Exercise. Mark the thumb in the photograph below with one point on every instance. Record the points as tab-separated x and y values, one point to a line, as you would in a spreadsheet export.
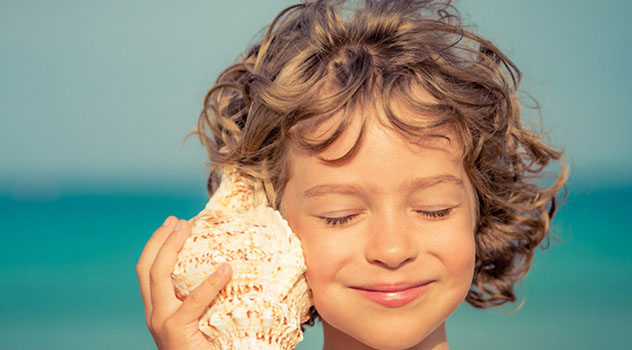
195	303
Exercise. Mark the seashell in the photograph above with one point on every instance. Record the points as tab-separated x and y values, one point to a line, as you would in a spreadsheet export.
267	299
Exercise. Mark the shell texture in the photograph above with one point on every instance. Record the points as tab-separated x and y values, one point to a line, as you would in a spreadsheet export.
267	299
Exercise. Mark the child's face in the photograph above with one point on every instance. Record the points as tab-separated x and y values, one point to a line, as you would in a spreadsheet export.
397	212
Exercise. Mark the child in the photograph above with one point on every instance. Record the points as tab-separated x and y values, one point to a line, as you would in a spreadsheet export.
390	139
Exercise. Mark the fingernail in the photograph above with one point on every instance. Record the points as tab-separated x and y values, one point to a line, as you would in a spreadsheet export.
222	269
166	221
177	226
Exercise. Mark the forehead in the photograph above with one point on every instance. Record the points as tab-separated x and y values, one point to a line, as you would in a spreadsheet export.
378	140
386	162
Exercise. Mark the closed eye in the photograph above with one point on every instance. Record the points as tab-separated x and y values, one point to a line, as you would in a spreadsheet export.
435	214
341	220
338	220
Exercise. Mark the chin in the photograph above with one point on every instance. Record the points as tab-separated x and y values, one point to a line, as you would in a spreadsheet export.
391	342
386	334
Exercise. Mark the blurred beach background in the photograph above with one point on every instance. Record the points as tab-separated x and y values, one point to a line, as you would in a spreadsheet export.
97	96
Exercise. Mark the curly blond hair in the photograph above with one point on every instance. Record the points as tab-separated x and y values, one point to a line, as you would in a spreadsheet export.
320	57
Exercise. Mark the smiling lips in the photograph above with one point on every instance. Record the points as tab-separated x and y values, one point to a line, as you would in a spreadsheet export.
393	295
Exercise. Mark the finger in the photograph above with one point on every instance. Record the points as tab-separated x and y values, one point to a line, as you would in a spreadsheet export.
147	258
196	303
163	296
156	241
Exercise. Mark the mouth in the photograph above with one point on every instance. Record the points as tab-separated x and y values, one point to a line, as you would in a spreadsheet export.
393	295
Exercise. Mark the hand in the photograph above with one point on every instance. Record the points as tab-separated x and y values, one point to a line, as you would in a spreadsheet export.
174	323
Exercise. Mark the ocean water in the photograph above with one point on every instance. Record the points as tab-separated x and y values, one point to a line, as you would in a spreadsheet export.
69	280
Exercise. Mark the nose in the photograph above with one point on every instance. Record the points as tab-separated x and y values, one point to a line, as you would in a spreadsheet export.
391	241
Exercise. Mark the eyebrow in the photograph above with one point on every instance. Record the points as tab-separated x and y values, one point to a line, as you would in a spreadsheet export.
425	182
414	185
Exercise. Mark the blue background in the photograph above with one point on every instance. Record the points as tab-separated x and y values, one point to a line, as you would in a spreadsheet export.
96	98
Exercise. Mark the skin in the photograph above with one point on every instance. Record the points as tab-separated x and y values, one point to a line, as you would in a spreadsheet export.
389	228
397	214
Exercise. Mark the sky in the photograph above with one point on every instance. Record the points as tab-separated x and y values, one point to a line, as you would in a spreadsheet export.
99	95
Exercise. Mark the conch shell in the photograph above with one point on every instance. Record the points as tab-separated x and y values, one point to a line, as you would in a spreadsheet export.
267	299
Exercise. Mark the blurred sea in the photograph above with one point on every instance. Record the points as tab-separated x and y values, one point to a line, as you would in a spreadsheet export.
69	280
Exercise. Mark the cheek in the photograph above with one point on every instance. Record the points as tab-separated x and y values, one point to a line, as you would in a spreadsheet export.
323	255
315	258
463	264
456	248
